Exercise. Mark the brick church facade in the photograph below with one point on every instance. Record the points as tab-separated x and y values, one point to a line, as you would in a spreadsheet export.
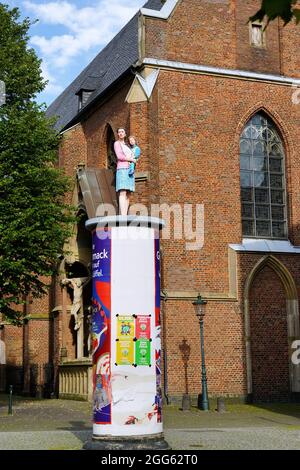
214	103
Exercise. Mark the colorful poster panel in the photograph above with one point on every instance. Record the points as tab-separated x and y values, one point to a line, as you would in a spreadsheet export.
142	327
125	327
102	400
143	352
101	330
125	352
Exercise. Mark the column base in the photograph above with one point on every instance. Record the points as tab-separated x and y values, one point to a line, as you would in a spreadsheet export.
156	442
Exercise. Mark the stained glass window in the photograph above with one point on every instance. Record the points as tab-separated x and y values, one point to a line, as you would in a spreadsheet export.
263	194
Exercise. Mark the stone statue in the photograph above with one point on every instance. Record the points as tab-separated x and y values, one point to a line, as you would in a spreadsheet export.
77	285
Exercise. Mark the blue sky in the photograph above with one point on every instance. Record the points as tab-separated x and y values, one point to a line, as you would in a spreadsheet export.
70	33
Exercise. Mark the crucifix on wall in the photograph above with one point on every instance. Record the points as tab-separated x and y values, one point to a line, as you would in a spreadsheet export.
77	285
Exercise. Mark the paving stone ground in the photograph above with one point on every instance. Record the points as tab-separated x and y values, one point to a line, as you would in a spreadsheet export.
66	425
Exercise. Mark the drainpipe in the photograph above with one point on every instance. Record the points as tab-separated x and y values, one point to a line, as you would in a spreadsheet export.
164	297
26	360
165	352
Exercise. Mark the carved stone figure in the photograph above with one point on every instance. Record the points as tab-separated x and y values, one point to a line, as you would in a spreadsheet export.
77	285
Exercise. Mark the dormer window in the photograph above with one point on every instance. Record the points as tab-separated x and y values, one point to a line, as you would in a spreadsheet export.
83	97
86	89
257	34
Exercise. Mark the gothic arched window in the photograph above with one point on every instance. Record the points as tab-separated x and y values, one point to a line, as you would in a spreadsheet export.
263	194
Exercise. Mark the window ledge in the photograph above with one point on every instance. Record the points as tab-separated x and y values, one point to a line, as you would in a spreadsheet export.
141	176
260	244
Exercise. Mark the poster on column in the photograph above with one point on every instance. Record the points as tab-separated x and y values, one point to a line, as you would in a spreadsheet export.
157	339
143	352
101	330
124	340
125	352
125	327
142	327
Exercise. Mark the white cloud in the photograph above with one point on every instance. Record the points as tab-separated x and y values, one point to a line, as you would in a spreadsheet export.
53	88
86	27
85	30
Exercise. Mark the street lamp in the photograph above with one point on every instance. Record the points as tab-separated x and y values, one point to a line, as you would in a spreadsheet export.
199	305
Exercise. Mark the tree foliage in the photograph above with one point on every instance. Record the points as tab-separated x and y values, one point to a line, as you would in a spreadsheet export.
34	220
287	10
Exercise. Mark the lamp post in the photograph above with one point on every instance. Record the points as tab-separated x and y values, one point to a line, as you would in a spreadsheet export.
199	305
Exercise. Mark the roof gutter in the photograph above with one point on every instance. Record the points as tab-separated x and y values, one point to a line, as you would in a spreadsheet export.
221	72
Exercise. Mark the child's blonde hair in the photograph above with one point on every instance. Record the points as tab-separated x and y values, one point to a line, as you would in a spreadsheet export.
132	137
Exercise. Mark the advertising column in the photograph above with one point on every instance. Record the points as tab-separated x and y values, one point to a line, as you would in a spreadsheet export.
127	400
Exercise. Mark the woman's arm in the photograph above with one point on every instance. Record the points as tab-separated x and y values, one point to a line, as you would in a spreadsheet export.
120	154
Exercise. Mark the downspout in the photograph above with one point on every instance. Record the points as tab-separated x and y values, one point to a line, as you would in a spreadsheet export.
26	359
164	297
165	354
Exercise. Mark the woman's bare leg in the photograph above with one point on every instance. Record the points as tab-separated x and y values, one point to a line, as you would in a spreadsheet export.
127	200
123	208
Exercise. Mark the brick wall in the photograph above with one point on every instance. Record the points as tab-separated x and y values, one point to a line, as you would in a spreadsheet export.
195	129
216	33
190	34
290	38
269	342
28	355
39	341
73	149
224	349
13	338
200	121
258	59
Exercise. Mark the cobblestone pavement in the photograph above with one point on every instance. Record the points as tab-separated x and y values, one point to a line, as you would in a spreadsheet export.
66	425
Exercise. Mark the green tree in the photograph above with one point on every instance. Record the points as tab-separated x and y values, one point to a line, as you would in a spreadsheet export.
287	10
34	219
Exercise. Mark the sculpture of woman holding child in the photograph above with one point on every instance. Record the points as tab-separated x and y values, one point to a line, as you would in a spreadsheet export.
127	158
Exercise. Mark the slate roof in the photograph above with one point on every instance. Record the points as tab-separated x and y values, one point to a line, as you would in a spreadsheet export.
109	65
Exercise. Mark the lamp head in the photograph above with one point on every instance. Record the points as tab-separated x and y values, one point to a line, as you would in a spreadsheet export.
199	305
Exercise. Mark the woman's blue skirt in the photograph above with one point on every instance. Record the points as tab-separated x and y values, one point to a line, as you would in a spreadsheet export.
124	181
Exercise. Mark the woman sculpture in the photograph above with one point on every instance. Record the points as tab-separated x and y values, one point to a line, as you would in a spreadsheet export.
124	183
